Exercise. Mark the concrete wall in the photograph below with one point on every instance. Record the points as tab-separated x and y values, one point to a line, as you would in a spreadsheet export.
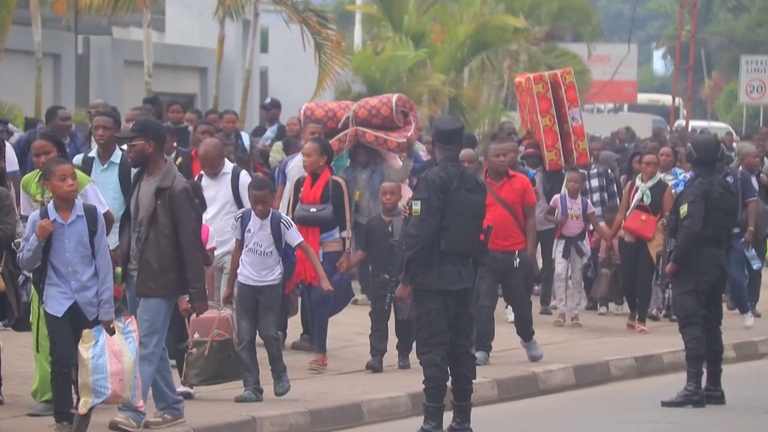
117	75
17	70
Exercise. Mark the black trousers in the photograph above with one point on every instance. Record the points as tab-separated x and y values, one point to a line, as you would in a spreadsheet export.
177	340
697	298
546	240
756	276
64	335
380	314
637	271
363	268
443	321
500	269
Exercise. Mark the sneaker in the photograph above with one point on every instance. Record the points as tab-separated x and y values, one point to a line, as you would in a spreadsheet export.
282	385
304	343
545	310
510	315
42	409
603	310
591	305
162	420
618	310
482	358
756	313
63	427
187	393
123	423
749	320
361	300
532	350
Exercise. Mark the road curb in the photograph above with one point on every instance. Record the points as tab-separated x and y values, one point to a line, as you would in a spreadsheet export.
537	381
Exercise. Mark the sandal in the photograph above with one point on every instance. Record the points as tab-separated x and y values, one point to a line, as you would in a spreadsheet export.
560	320
318	365
575	322
631	325
642	329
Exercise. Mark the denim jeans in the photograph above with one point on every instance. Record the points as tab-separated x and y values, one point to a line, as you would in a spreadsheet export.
737	277
257	310
130	294
322	306
154	316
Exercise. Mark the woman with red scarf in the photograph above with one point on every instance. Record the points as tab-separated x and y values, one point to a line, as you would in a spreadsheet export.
319	205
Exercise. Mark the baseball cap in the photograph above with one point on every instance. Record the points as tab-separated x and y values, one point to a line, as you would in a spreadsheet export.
531	149
147	128
271	103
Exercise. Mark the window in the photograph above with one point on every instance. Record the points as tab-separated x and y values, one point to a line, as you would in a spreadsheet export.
264	49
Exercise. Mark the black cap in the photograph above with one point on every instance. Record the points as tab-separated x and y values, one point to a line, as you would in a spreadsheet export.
271	103
705	150
448	131
147	128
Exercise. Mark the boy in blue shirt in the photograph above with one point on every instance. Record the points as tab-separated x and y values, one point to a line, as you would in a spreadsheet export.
73	277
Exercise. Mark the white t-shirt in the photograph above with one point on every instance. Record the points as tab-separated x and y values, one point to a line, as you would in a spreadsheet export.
221	205
293	170
260	263
11	161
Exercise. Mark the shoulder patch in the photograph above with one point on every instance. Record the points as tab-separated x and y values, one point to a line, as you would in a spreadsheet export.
416	207
683	211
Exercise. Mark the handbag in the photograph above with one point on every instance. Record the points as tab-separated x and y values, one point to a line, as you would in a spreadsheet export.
315	214
212	360
640	222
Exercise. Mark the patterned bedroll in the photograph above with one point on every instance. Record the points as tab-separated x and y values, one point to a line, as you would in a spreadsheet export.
383	122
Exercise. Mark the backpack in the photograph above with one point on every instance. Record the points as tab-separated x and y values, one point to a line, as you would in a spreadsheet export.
286	252
123	172
234	181
39	274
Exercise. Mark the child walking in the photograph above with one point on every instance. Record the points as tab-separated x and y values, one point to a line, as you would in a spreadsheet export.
571	251
258	270
73	277
610	261
377	244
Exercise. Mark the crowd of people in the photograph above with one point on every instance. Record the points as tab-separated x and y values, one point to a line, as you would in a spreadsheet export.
181	208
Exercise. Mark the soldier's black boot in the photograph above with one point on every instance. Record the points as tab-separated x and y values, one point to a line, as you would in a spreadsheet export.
433	418
713	390
691	395
462	417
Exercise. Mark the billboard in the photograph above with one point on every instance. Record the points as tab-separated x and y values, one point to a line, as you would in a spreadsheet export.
614	71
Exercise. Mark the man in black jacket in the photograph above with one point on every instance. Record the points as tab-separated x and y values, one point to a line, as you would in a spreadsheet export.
162	253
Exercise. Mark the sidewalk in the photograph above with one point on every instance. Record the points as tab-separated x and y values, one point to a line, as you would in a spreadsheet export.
348	396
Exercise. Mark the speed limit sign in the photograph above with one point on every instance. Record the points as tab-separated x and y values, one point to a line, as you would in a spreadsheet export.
753	77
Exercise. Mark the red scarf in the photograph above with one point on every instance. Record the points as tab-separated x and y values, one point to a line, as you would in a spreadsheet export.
310	194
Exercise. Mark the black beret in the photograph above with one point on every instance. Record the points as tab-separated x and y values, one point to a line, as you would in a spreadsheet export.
448	131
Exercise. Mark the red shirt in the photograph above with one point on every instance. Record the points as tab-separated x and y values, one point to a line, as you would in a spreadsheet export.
516	190
195	163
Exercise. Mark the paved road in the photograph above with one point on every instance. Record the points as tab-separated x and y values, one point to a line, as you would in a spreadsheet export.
629	406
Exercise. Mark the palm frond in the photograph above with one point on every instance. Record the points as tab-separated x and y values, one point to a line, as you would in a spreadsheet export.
317	26
234	10
7	10
116	9
12	112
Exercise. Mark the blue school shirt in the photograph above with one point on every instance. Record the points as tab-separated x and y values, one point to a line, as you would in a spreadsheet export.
73	273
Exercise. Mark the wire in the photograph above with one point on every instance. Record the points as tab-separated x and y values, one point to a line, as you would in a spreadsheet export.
629	50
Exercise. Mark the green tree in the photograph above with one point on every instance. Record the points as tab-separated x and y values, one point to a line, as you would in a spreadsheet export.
225	9
7	10
730	111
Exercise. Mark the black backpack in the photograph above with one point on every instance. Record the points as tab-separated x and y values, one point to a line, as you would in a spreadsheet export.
39	274
234	181
123	172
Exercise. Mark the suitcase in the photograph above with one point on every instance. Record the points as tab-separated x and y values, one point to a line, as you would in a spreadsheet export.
212	356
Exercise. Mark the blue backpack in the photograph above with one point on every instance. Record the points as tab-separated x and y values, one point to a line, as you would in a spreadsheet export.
286	252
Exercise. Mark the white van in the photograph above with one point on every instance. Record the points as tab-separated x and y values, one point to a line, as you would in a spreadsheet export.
716	127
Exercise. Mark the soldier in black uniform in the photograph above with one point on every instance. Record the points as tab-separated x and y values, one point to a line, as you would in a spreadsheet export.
441	237
699	225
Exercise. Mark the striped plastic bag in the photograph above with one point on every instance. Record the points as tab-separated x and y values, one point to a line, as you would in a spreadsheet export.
109	366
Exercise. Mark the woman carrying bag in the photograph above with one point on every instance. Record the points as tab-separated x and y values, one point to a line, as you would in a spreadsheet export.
645	204
319	205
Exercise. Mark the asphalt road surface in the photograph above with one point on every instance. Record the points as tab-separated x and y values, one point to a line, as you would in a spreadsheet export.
628	406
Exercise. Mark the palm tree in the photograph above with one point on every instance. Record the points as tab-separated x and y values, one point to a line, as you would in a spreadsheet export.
118	9
317	28
37	37
7	9
225	9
